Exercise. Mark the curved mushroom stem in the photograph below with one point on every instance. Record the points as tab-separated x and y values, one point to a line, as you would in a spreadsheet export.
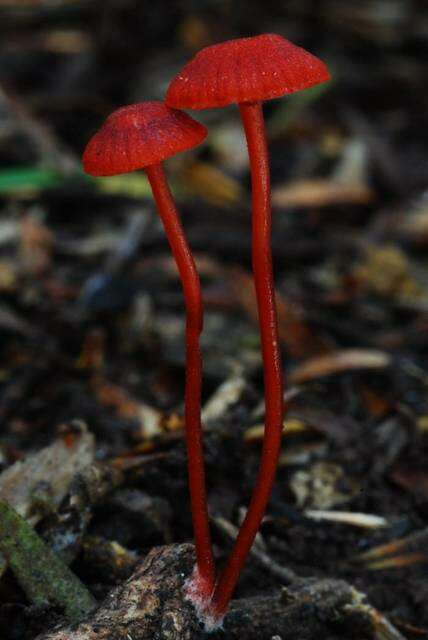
204	578
252	118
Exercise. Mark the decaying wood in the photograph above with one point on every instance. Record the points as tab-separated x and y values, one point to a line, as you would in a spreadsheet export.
150	604
308	611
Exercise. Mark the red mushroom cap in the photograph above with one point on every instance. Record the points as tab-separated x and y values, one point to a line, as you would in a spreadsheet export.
140	135
244	70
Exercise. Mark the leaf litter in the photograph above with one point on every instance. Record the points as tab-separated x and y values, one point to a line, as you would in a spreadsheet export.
92	315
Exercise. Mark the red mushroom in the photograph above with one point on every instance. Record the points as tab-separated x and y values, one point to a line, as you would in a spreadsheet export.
141	136
248	71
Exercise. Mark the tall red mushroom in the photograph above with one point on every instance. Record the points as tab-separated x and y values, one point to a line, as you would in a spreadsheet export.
246	72
141	136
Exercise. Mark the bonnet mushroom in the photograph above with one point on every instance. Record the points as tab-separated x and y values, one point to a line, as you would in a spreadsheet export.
141	136
246	72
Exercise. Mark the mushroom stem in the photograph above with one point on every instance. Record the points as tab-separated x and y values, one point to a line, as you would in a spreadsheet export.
205	576
252	118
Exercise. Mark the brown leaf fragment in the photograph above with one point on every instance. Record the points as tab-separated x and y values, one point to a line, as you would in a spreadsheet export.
320	193
397	562
376	404
127	461
150	420
396	553
36	245
212	185
339	362
290	427
65	41
411	630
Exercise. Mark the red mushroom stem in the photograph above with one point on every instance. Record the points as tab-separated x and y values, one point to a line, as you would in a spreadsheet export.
252	118
204	581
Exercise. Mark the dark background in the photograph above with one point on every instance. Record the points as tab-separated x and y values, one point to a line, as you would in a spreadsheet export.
91	311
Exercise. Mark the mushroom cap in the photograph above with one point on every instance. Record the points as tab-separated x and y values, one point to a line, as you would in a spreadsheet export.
244	70
140	135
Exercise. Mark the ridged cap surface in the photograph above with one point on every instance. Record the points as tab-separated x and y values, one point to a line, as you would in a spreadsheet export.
139	135
244	70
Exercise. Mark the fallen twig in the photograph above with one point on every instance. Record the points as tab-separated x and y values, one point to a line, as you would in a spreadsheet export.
42	575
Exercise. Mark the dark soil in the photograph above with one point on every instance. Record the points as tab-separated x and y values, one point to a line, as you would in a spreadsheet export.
91	311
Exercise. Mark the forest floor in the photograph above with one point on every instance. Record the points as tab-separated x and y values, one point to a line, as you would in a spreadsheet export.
91	312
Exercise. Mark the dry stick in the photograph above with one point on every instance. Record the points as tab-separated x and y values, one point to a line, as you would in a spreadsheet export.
42	575
285	575
252	117
194	321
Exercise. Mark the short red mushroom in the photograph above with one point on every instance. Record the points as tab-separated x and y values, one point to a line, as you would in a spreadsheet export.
141	136
246	72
